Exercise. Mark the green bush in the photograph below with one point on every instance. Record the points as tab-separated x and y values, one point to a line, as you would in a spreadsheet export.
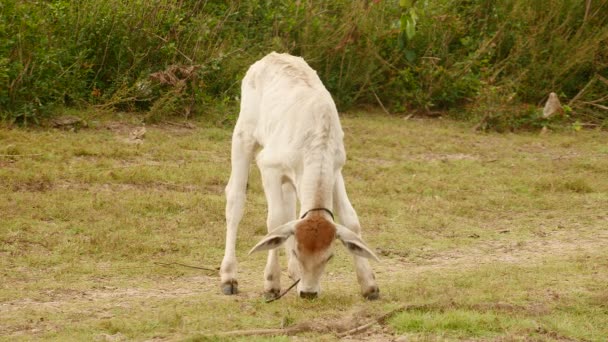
529	49
103	53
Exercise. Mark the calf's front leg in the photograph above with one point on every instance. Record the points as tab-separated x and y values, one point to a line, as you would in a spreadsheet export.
349	219
280	212
242	153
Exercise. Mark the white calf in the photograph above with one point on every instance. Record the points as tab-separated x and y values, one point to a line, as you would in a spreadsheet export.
289	116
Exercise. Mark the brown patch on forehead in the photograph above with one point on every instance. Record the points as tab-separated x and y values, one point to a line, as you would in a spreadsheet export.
314	234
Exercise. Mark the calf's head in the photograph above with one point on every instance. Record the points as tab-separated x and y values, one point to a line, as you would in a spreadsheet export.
313	238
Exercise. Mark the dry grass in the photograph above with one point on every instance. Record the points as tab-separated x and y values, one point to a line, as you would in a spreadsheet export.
494	236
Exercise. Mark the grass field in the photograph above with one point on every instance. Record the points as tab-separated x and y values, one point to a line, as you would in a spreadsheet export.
485	236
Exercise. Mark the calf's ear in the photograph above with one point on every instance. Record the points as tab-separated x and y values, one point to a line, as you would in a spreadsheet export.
276	237
353	243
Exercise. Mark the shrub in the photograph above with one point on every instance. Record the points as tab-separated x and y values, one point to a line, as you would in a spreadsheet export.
102	53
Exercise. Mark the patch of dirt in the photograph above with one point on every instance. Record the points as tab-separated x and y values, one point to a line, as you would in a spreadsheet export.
117	127
111	337
377	333
123	128
108	296
559	243
36	184
6	162
428	157
210	188
378	161
443	157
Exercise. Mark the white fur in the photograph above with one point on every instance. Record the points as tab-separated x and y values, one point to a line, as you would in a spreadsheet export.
289	118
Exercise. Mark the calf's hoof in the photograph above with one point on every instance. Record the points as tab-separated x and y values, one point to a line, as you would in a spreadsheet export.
373	293
271	294
230	287
308	295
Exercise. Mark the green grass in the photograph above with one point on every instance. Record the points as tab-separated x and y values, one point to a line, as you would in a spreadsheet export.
491	236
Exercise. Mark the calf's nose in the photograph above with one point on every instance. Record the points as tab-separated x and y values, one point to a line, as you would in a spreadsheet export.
308	295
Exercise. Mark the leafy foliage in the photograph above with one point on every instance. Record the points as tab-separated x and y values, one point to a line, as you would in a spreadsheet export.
407	55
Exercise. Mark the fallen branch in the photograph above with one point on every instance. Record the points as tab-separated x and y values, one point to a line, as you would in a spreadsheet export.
187	125
602	78
184	265
582	91
380	103
381	320
596	102
296	329
319	328
596	105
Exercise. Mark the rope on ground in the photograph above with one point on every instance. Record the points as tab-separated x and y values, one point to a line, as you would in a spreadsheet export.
284	292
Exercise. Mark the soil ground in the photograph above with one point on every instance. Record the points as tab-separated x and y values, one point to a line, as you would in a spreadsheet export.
481	236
